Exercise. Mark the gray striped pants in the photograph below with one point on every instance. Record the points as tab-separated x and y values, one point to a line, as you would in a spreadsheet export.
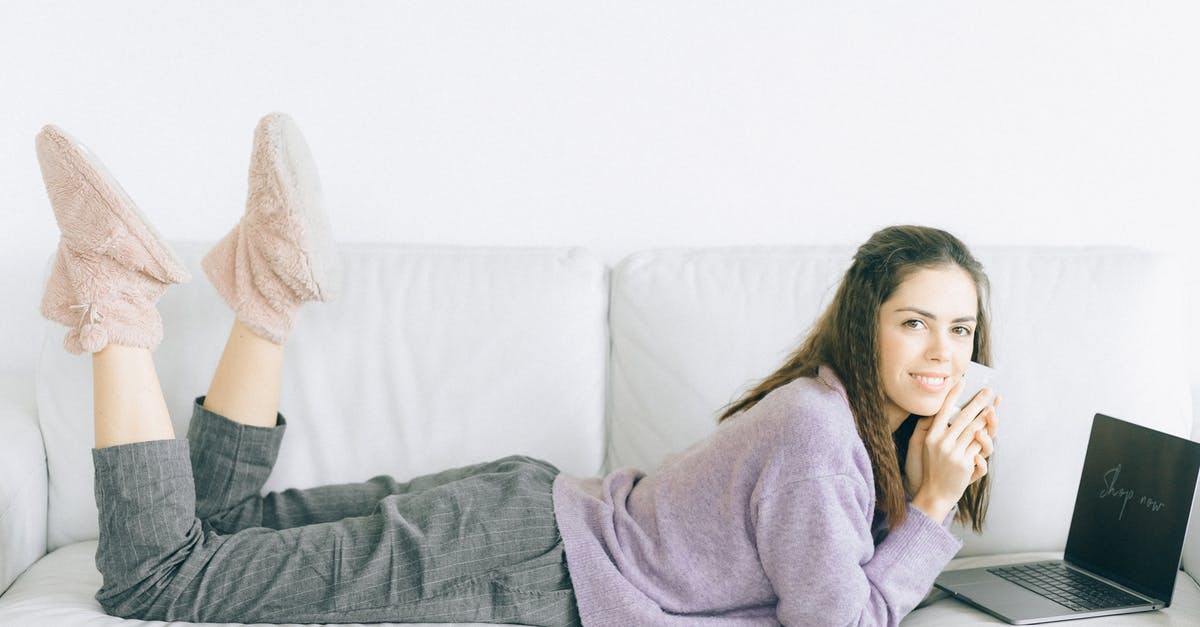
185	534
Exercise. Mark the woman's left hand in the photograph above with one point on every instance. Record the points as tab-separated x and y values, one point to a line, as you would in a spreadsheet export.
914	464
984	438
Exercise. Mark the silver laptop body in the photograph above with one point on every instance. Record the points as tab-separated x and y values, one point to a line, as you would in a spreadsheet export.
1127	531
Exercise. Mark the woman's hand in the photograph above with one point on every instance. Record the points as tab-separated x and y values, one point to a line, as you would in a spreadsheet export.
984	437
948	451
915	460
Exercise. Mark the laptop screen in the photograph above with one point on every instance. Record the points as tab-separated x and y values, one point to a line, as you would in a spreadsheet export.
1131	512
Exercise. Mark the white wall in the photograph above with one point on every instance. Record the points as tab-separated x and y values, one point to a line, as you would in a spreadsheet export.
617	125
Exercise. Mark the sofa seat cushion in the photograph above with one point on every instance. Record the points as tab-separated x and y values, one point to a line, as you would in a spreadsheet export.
942	610
59	589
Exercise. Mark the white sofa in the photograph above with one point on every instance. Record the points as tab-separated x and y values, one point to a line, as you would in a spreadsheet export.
441	356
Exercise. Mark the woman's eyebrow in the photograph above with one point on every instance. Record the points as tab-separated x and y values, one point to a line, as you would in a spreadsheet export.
933	317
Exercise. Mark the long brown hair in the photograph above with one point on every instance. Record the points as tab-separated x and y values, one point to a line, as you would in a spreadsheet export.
845	337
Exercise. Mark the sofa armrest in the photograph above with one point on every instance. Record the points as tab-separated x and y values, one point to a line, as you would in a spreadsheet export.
23	479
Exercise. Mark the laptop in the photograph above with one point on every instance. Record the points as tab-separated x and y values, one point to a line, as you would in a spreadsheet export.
1125	541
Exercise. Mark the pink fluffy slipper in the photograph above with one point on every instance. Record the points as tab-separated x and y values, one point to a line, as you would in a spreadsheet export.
111	266
281	254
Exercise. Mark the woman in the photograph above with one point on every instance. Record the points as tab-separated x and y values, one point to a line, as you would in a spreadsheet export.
798	510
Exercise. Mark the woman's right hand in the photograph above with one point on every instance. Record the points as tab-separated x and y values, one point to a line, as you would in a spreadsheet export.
952	451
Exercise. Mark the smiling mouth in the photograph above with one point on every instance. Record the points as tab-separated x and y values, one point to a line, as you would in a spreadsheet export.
930	381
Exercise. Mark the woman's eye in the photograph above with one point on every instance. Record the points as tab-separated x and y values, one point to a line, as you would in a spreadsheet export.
914	324
963	331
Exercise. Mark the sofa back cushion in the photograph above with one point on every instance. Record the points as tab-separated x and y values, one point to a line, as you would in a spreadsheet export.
431	357
1075	332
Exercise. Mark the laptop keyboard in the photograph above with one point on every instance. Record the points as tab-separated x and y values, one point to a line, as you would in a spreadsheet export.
1062	585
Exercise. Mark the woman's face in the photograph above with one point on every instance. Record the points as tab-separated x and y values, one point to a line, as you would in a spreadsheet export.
926	336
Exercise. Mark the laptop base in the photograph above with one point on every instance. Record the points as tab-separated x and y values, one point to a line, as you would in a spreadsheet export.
1014	604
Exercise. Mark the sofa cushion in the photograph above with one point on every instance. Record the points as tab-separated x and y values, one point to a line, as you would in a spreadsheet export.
1076	332
432	357
60	590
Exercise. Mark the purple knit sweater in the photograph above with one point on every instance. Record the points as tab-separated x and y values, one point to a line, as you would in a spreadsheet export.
771	520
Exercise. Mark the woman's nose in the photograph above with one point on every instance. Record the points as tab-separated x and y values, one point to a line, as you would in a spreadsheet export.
939	348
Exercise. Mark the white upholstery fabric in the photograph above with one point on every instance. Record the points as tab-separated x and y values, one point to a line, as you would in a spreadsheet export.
22	480
430	358
58	591
1076	331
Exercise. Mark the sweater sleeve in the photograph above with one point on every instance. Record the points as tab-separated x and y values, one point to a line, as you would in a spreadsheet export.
814	541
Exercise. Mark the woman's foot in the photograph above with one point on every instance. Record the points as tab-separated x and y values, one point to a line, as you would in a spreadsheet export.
111	266
281	254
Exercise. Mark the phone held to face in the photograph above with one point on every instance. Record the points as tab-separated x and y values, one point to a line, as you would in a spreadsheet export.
977	377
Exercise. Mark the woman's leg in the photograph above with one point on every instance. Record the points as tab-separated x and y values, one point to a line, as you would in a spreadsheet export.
245	386
231	462
234	439
475	544
484	548
279	256
128	402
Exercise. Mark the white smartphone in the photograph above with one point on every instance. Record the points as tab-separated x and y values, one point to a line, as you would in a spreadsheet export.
977	377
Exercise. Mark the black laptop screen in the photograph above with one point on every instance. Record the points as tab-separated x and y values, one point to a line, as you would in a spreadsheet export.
1132	509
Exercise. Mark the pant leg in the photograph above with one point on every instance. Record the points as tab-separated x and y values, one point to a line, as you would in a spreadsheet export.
231	462
482	548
